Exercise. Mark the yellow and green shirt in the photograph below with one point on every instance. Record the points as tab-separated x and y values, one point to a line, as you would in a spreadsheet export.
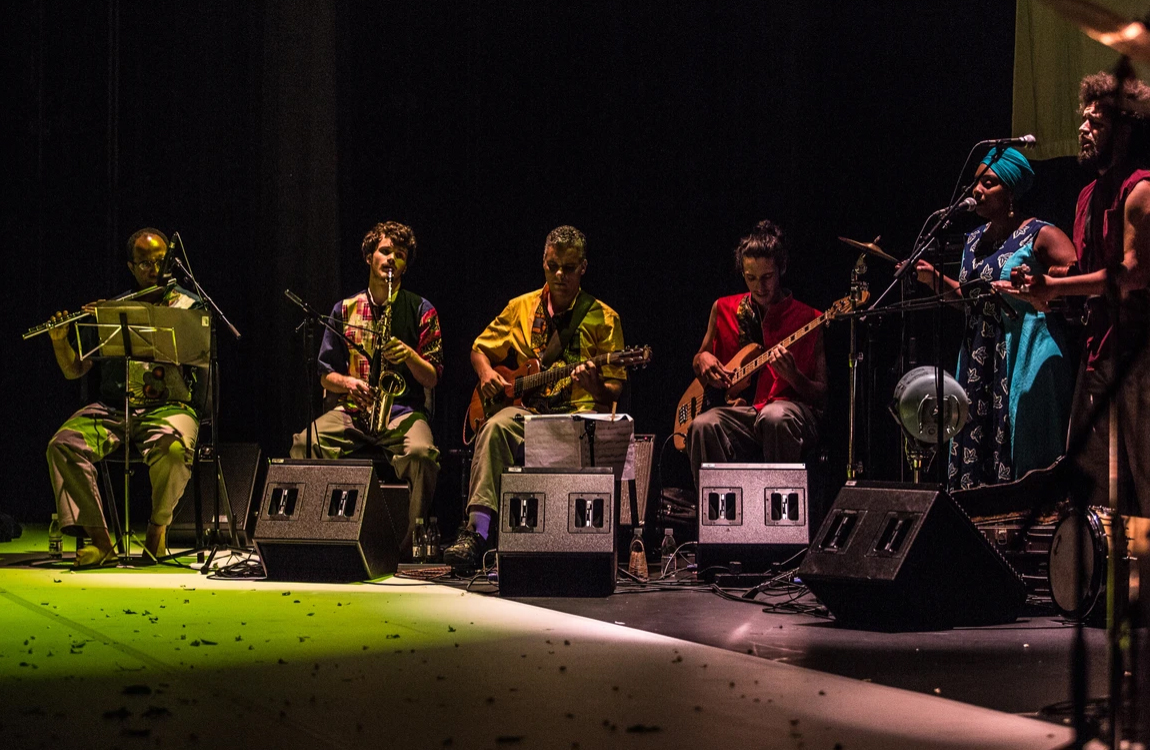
522	331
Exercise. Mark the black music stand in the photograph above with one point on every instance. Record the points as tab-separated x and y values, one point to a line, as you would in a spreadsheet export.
141	332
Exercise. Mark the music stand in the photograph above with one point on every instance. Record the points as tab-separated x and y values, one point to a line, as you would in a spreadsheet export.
142	332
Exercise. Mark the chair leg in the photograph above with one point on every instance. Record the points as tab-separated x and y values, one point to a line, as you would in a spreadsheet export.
110	506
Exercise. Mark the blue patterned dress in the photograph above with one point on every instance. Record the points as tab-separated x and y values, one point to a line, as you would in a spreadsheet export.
1015	371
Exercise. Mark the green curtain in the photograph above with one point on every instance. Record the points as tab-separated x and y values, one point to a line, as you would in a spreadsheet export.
1050	57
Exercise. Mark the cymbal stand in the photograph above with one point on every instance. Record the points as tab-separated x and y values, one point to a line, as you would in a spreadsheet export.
858	287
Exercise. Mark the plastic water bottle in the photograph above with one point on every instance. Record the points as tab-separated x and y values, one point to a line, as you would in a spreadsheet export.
667	552
418	541
431	542
637	565
55	538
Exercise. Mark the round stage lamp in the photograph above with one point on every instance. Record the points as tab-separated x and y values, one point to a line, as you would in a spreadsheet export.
914	405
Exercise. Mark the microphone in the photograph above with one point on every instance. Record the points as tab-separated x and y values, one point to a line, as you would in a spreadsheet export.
1022	141
963	206
165	274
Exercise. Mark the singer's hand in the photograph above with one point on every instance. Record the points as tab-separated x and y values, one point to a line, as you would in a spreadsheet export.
923	271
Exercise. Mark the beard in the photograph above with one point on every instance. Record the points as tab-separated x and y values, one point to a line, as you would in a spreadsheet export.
1097	154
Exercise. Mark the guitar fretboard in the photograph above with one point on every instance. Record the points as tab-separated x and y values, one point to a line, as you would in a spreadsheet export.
750	367
525	383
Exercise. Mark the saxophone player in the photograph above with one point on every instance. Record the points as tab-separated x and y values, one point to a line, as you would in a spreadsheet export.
410	357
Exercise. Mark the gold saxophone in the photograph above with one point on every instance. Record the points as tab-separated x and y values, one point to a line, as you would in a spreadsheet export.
386	383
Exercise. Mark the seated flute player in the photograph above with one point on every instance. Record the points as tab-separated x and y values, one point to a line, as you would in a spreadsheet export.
164	420
411	351
558	325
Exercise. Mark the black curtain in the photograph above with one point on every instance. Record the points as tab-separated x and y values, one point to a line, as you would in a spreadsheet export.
273	134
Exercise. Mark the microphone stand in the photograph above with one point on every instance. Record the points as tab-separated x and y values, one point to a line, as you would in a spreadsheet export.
211	540
311	317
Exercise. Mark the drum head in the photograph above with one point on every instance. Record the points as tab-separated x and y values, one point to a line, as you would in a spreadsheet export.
1076	602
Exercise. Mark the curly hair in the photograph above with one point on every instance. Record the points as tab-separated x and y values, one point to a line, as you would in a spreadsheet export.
1101	88
140	233
400	235
766	240
564	237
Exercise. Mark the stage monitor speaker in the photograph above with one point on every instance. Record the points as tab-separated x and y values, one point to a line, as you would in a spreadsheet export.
241	470
557	532
906	557
754	514
329	521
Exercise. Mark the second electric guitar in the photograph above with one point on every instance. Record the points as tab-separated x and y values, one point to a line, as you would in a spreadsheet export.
749	360
530	377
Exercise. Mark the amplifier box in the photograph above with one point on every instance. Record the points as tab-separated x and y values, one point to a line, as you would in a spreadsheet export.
906	557
557	532
755	514
329	521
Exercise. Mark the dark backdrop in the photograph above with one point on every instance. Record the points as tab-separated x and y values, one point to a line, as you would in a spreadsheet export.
273	134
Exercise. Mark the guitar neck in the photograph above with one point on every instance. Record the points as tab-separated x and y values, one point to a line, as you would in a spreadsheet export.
555	374
755	364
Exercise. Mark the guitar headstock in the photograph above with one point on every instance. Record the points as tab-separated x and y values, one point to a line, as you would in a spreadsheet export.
635	356
846	304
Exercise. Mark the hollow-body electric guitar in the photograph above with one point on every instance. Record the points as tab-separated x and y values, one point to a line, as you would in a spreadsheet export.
749	360
530	377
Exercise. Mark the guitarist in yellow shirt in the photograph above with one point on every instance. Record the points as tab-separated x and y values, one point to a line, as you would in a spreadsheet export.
563	328
776	417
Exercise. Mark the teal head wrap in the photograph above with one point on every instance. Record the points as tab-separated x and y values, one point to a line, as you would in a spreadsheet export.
1012	168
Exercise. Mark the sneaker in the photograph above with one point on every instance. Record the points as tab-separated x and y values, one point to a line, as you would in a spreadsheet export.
466	552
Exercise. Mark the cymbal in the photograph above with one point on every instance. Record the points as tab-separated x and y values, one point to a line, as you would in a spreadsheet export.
870	247
1124	35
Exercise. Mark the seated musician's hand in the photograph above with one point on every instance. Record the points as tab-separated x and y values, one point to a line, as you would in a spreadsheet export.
492	384
783	363
360	392
711	371
588	376
60	333
396	352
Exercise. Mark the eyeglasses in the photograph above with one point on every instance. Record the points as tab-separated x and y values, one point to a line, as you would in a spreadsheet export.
144	265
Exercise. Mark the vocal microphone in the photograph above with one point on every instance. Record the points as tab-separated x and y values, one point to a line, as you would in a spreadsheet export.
963	206
1022	141
166	267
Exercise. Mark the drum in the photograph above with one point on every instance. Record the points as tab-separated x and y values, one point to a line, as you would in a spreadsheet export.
1088	599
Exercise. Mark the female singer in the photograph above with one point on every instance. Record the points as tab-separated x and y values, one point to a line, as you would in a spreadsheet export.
1013	359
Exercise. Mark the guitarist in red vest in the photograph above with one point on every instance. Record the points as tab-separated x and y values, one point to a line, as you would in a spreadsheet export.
558	325
781	417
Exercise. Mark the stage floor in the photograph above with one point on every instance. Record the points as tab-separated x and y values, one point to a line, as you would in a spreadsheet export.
166	658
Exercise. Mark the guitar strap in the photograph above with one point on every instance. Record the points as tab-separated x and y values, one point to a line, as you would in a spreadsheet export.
562	336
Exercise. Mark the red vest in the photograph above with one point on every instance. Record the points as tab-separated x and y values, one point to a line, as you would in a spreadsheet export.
1105	248
737	325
